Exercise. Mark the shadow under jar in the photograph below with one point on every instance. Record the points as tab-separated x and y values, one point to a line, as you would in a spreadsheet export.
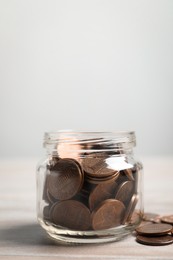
89	186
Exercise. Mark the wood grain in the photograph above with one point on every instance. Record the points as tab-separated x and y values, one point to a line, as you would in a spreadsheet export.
22	238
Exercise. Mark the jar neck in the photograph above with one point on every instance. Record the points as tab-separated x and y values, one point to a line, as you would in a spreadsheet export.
81	143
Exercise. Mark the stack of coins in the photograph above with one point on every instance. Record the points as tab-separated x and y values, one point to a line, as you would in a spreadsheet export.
155	230
89	195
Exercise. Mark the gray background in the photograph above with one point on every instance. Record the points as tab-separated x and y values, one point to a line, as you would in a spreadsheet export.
85	65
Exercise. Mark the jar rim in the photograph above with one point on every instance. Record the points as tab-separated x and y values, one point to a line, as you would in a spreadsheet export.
70	136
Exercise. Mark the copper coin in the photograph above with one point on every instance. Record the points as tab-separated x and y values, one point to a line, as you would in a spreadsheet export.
125	191
52	161
100	193
75	161
108	214
44	195
97	166
154	229
89	164
155	241
130	209
51	199
157	220
65	179
105	171
150	216
46	212
136	217
167	219
71	214
129	174
98	180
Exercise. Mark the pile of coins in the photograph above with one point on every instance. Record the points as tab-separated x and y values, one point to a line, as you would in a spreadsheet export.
88	195
155	230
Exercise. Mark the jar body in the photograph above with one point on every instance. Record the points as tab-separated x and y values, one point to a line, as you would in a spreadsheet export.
87	193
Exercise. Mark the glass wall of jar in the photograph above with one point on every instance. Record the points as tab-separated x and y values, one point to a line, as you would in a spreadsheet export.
89	186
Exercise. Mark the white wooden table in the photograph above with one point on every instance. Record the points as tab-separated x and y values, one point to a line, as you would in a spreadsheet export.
22	238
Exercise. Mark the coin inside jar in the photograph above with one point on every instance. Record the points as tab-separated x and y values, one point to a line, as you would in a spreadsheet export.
96	166
130	209
101	192
151	217
46	212
128	173
98	180
71	214
65	179
125	191
108	214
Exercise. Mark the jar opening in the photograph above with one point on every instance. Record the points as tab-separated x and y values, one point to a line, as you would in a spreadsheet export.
90	142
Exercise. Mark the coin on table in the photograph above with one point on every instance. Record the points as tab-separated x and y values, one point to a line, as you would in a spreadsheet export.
108	214
167	219
130	209
152	217
101	192
154	229
125	191
71	214
65	179
155	241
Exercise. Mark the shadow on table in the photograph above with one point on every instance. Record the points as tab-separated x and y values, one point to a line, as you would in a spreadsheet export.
31	234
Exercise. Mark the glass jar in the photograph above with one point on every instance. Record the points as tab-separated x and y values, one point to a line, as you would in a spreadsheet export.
89	186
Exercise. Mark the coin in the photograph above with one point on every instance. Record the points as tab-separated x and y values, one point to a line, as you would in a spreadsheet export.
89	164
105	171
155	241
125	191
68	146
108	214
154	229
150	216
101	192
46	212
96	166
71	214
128	173
50	198
44	195
75	161
98	180
52	161
136	217
167	219
130	209
65	179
